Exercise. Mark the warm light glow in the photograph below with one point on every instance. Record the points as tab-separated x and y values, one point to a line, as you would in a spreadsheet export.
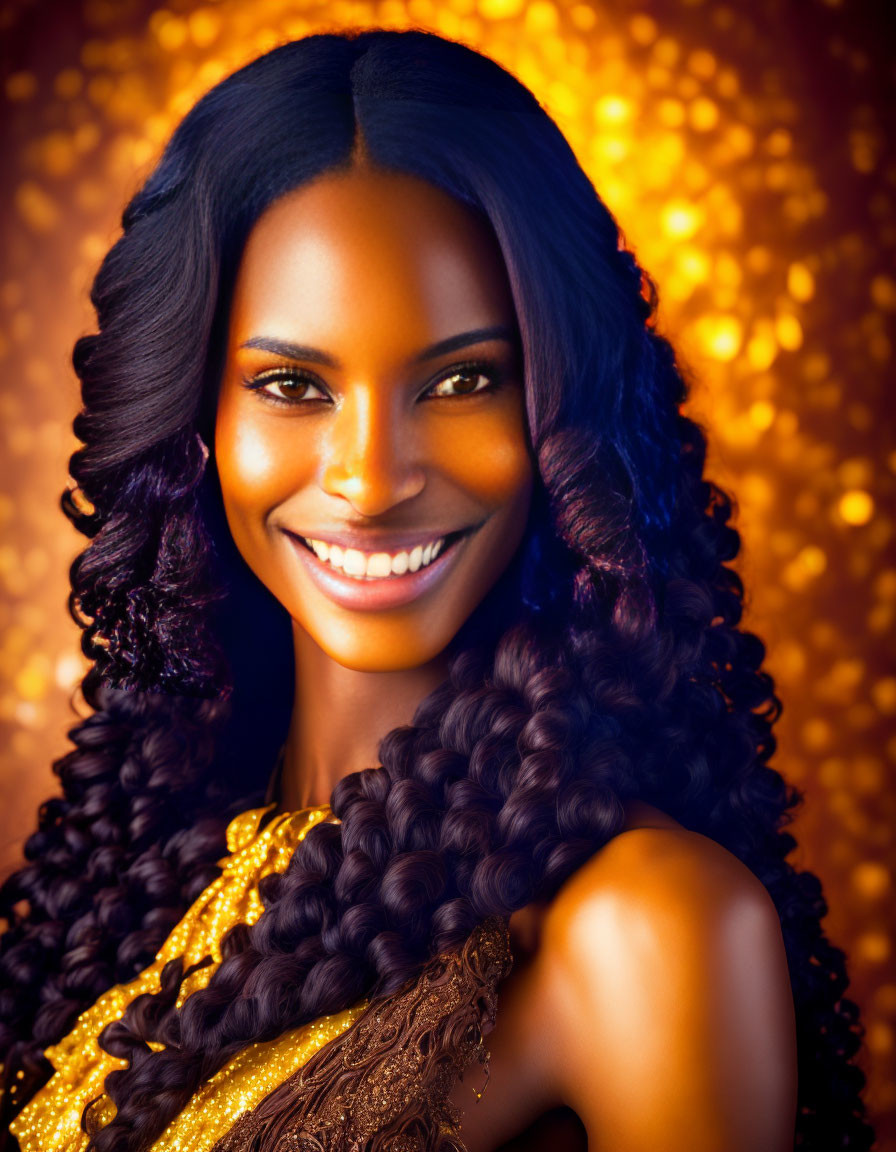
720	336
800	282
856	507
762	414
874	947
680	220
789	332
762	347
613	110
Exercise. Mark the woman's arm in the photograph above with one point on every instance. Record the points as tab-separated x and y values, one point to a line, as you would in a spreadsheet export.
669	984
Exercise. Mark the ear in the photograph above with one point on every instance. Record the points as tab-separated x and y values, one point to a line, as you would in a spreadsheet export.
203	446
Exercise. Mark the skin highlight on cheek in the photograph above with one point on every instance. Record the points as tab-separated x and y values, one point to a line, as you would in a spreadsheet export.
246	469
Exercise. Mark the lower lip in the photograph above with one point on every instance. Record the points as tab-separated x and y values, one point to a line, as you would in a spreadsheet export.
371	595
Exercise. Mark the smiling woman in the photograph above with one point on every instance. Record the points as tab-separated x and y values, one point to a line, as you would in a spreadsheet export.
377	382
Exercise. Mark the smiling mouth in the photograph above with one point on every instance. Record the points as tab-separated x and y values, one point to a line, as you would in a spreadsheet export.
373	566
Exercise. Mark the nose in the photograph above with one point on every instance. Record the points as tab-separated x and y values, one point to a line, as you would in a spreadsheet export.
370	455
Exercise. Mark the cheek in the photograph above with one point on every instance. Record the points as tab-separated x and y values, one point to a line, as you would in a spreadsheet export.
257	464
489	458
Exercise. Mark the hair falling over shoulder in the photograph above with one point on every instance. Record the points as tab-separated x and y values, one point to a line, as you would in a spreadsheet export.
609	664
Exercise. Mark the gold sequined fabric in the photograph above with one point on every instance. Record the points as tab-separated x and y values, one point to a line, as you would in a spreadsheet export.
385	1082
51	1122
406	1048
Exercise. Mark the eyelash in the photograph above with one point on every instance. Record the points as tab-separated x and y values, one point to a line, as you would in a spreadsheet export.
276	375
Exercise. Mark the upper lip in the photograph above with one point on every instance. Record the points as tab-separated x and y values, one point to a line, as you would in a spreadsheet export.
371	540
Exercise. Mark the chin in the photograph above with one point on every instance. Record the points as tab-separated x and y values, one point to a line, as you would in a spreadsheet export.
387	650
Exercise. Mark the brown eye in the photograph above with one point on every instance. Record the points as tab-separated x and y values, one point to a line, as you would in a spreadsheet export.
463	382
290	389
285	386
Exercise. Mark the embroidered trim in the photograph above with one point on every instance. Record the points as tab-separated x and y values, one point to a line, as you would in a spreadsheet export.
385	1082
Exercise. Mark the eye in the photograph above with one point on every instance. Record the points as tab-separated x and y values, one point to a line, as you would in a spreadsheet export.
466	380
291	386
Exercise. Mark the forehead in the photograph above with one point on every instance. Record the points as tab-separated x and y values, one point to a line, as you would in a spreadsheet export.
371	249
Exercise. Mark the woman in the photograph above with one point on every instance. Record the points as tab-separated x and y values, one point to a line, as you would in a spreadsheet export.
374	374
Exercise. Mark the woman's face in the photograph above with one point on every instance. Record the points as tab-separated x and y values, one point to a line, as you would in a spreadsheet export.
370	437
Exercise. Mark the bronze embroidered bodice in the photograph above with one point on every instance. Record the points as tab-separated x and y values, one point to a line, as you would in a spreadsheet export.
384	1084
375	1076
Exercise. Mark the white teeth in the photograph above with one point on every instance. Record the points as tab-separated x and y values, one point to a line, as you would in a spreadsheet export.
400	563
379	564
376	565
354	562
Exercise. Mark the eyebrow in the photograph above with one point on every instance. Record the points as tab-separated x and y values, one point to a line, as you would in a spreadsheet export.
292	351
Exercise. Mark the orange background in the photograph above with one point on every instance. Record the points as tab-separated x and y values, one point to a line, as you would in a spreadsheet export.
744	149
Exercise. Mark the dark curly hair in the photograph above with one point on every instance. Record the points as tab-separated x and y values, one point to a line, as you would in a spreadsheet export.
607	664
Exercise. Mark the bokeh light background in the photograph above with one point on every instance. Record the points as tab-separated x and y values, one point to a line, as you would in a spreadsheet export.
746	151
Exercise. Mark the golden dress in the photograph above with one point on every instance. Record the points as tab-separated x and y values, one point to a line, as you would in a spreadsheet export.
375	1076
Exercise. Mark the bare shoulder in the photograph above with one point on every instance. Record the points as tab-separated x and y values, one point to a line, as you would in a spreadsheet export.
661	873
664	963
659	898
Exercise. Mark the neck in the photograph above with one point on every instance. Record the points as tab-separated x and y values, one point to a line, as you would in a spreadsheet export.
339	716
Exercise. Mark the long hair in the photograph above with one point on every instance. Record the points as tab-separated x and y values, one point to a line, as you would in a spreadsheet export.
609	663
